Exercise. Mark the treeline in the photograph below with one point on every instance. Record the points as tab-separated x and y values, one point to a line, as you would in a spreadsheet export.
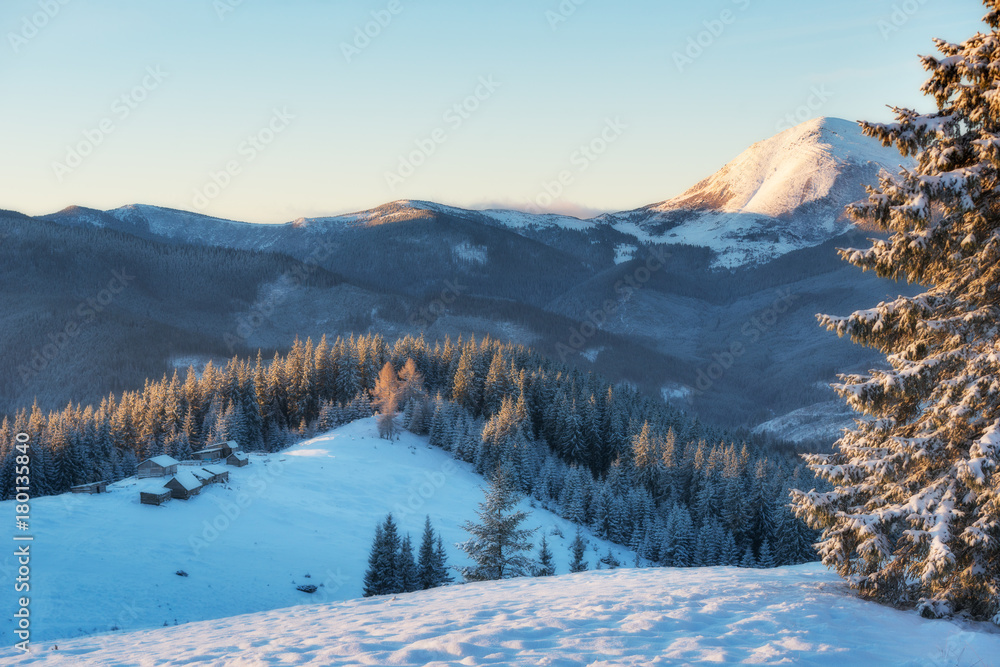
635	470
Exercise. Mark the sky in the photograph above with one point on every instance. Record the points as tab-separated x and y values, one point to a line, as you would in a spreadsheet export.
270	111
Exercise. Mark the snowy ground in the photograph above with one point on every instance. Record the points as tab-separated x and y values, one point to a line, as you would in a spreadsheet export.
304	516
796	615
104	583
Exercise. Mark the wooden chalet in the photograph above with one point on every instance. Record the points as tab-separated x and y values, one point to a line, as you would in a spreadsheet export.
238	459
216	473
183	485
213	453
220	450
159	466
202	475
229	447
93	487
156	495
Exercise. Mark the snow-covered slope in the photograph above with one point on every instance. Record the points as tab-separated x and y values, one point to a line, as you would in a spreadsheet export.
304	516
824	421
781	194
799	615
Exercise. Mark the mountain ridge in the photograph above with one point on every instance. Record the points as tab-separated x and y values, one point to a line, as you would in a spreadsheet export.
423	268
781	194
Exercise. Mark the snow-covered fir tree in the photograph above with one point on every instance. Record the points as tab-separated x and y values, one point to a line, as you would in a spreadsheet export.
578	549
914	515
409	575
546	567
432	568
499	546
383	575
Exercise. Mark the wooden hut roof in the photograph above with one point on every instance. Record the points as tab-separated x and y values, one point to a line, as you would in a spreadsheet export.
187	480
164	461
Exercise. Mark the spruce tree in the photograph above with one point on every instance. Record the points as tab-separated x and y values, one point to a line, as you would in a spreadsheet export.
914	516
409	575
498	544
384	575
442	576
426	560
765	559
579	549
610	560
374	581
545	568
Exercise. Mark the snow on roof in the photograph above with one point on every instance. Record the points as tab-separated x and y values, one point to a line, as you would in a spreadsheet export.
201	473
240	455
232	444
187	480
215	470
213	448
158	489
164	461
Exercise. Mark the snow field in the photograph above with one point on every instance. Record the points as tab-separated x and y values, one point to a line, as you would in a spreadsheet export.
798	615
105	562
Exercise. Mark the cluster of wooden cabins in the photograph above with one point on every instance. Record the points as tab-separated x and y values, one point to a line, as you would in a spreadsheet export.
202	469
189	477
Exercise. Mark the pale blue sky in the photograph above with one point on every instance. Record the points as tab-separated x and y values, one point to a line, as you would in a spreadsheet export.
227	71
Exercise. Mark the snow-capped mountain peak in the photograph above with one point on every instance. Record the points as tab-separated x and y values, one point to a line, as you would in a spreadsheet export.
776	176
781	194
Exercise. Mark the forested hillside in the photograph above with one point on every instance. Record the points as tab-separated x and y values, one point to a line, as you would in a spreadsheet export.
636	471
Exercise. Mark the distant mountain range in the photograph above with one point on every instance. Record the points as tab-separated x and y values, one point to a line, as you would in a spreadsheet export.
707	298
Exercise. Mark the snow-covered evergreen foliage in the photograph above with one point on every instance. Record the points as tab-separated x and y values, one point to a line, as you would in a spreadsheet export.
499	545
391	565
914	515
